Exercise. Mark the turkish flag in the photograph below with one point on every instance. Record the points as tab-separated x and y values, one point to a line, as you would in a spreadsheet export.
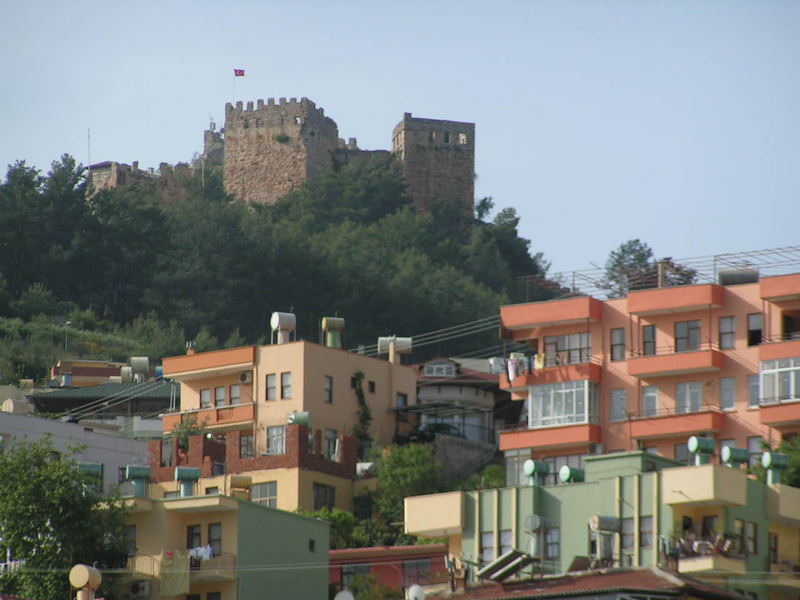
238	72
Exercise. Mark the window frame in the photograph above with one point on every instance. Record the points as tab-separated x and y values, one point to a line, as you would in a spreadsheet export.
194	533
286	385
271	387
617	338
648	340
219	396
688	340
276	440
215	537
727	393
755	335
269	497
727	337
205	398
552	543
327	389
650	393
323	495
688	397
235	392
247	447
618	405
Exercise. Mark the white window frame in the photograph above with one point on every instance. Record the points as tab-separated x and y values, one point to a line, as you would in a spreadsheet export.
650	398
727	393
688	397
276	439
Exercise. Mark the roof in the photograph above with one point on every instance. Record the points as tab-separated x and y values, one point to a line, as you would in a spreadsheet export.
150	390
381	552
590	583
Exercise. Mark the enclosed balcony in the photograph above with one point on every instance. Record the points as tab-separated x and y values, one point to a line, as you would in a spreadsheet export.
210	364
434	515
704	419
521	321
666	362
222	417
782	288
668	300
704	485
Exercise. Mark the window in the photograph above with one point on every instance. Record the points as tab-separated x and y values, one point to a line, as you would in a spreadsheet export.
350	572
130	539
781	380
276	440
688	396
556	462
738	532
649	340
687	336
327	389
286	385
773	548
205	398
212	491
618	344
552	543
727	393
213	596
515	459
708	526
246	447
401	400
755	447
727	332
120	473
626	534
645	532
324	496
215	537
431	136
417	571
265	493
567	349
462	138
353	382
506	541
235	398
682	453
271	387
754	324
371	387
619	403
752	391
751	537
650	401
446	137
330	451
192	536
168	495
219	396
487	546
563	403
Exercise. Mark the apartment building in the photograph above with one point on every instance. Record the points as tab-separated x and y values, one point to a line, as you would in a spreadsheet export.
219	547
649	370
630	509
286	413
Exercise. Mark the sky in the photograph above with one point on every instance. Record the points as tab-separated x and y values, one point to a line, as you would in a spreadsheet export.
676	122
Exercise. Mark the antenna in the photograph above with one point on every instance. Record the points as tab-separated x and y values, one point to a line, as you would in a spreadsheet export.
89	147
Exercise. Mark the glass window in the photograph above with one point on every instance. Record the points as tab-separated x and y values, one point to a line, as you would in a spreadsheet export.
754	325
650	401
727	332
205	398
330	451
752	391
401	400
213	596
780	380
727	393
212	491
514	461
487	546
688	396
271	387
276	440
708	526
773	548
265	493
567	349
756	449
371	387
645	532
618	344
627	534
649	340
192	536
130	539
219	396
506	541
751	537
682	453
327	389
417	571
246	446
286	385
324	496
619	403
552	543
235	393
563	403
687	336
215	537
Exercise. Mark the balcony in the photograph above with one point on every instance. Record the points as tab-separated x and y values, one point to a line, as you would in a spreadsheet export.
434	515
210	364
704	485
201	504
780	415
776	348
215	417
708	419
668	300
666	362
783	504
781	288
580	434
711	563
219	568
583	371
519	321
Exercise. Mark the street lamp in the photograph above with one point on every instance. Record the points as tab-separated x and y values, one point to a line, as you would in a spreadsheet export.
66	335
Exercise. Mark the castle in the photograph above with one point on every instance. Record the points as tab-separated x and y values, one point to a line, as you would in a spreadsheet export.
269	149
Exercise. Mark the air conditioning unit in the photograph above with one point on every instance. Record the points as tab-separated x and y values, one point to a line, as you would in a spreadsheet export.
246	377
140	589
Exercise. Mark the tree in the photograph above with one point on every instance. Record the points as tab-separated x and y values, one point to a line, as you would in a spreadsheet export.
632	266
408	470
791	448
51	519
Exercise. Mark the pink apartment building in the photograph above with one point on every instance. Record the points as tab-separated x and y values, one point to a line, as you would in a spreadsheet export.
654	368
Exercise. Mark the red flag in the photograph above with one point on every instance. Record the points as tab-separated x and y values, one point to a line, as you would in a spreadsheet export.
238	72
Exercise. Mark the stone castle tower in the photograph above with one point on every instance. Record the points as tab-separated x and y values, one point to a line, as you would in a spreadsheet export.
270	149
438	159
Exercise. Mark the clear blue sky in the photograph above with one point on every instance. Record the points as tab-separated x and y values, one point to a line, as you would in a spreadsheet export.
677	121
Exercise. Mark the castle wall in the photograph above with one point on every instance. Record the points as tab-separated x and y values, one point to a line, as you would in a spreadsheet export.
438	159
272	148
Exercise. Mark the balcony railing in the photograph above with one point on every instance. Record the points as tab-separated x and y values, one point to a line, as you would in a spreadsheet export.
677	359
218	568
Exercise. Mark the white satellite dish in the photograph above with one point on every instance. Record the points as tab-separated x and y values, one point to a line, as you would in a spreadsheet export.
415	592
344	595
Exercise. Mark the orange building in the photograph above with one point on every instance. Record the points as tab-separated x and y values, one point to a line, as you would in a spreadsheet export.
654	368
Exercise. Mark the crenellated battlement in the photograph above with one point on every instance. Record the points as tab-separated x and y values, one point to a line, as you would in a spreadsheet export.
291	105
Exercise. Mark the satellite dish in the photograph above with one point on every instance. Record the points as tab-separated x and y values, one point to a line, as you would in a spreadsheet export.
415	592
344	595
534	522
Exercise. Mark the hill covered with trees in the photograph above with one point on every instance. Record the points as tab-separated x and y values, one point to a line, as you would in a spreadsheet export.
134	274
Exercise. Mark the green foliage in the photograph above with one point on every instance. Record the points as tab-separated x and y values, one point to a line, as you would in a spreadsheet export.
492	476
281	138
366	587
632	266
52	521
187	428
408	470
791	476
364	418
